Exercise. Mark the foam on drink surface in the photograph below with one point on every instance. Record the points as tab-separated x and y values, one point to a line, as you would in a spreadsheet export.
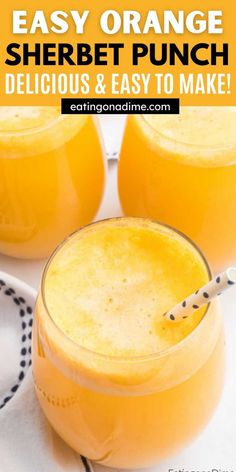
201	135
210	126
109	285
28	131
25	118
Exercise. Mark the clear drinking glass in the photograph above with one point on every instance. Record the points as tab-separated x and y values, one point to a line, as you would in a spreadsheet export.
187	183
52	173
128	412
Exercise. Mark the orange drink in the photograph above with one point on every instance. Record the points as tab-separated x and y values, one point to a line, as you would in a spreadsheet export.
181	169
117	381
51	178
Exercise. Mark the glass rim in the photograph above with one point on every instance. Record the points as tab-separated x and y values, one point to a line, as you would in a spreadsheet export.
206	147
137	358
34	129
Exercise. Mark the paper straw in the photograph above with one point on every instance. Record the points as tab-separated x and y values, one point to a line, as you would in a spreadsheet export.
204	295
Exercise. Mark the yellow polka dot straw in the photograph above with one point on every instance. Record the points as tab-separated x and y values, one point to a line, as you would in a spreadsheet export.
202	296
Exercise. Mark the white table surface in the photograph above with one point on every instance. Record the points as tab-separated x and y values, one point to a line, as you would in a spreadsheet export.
216	447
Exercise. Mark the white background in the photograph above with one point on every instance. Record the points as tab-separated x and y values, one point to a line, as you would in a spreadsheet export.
216	447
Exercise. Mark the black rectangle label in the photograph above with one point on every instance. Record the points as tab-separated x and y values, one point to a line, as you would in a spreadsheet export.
119	106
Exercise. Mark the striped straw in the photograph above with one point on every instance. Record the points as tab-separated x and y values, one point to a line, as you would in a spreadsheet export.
202	296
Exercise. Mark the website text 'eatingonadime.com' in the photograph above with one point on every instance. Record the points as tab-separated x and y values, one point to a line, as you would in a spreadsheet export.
119	106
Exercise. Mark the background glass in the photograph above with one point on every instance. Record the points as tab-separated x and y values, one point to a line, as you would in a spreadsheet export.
190	187
51	179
